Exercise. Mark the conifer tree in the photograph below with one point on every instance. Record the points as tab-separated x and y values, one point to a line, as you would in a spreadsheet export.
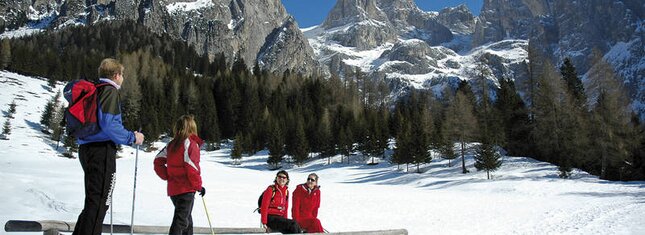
5	53
236	152
12	109
300	148
345	143
460	124
48	113
574	84
420	133
553	120
325	136
276	143
57	129
487	158
6	128
610	119
514	118
70	144
405	149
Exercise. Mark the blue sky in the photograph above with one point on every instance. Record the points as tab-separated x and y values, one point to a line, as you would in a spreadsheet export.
313	12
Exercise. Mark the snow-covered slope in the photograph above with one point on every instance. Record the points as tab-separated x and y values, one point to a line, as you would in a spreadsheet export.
525	196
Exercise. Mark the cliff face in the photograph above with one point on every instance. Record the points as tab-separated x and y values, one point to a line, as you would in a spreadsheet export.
238	28
562	28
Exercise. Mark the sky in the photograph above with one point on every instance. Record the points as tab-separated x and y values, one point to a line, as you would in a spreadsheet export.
313	12
524	197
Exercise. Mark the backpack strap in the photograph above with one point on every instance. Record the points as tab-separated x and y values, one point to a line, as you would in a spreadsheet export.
273	194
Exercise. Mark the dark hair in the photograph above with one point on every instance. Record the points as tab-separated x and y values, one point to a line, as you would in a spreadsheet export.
284	173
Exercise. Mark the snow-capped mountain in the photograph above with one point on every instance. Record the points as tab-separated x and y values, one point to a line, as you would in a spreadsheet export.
256	31
398	42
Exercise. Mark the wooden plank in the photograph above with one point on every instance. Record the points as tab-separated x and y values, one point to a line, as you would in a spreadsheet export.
375	232
61	226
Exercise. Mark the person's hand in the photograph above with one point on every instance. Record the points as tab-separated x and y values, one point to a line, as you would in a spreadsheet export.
202	192
266	228
138	138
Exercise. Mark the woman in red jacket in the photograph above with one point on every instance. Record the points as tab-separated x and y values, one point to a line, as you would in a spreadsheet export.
178	163
275	205
306	201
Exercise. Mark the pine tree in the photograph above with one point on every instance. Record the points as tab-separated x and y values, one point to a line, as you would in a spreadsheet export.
420	133
48	118
70	144
236	152
487	158
300	148
57	129
574	84
276	144
345	143
325	137
460	124
554	118
12	109
5	54
403	151
514	118
48	113
6	128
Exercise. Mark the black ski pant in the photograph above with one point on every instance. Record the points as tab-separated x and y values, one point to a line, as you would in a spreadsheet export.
182	221
282	225
99	165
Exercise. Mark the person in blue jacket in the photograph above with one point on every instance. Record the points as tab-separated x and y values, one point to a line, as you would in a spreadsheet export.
97	153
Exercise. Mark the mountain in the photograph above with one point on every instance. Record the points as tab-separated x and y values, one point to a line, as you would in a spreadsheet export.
573	29
405	46
398	42
256	31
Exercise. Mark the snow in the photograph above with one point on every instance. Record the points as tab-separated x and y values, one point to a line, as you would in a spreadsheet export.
525	196
177	7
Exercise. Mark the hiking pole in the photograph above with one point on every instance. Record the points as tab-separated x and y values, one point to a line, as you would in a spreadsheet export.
208	216
134	191
111	211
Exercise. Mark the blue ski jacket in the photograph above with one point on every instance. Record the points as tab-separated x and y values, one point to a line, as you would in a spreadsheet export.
109	118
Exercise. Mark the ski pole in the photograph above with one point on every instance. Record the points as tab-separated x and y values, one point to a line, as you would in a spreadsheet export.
208	216
136	161
111	212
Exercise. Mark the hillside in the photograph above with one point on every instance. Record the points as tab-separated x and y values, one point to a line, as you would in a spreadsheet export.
525	196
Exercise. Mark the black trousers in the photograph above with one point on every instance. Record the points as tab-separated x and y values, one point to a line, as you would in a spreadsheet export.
182	221
99	165
283	225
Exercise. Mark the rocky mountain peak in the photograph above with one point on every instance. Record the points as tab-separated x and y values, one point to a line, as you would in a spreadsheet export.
352	11
458	19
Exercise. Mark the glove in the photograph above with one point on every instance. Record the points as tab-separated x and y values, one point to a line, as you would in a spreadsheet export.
202	192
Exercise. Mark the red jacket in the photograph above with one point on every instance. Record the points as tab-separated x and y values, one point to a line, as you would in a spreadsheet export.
180	167
278	206
305	203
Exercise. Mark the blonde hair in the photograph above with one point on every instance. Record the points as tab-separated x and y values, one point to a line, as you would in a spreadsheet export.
184	127
110	68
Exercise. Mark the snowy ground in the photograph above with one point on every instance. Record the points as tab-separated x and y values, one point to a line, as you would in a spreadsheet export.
526	196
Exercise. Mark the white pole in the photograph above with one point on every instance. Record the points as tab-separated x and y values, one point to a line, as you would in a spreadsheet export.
134	191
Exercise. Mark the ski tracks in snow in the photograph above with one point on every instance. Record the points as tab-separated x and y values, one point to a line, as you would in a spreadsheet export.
48	201
592	218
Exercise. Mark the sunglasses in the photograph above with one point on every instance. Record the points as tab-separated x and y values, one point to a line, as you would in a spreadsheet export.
311	179
282	177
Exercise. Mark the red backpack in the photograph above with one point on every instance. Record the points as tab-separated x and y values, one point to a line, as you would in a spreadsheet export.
81	114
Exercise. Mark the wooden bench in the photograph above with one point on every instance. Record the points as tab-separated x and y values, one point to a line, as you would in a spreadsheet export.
55	227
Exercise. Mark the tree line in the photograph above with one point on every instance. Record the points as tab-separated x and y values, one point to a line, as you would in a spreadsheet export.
295	115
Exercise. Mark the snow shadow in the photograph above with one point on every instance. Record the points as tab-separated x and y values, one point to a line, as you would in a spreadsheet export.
638	195
33	125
